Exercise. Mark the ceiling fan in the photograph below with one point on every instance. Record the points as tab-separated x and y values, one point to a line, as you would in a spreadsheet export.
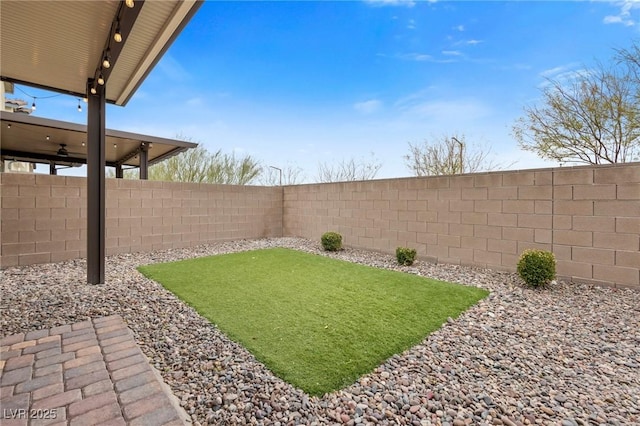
64	152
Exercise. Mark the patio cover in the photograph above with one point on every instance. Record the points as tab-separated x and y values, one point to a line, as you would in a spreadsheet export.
71	47
37	140
58	45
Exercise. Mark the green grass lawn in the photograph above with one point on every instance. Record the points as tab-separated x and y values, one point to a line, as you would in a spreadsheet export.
316	322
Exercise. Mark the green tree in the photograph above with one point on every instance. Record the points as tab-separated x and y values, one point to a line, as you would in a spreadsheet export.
447	155
191	165
592	119
200	166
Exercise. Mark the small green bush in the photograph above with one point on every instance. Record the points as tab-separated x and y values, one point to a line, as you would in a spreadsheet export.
331	241
406	256
537	267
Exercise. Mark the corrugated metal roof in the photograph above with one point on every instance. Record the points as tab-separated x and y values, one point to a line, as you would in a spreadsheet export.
59	44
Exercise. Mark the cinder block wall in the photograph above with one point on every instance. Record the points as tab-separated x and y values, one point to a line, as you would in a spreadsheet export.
44	217
588	216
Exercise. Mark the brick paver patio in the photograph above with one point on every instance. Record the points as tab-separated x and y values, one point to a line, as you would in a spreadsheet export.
92	372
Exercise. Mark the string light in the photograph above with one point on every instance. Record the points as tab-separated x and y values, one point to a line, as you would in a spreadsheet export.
130	3
101	80
47	137
33	104
9	126
106	61
93	90
117	36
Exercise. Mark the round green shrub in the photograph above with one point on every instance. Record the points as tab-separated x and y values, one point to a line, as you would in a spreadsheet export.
331	241
537	267
405	256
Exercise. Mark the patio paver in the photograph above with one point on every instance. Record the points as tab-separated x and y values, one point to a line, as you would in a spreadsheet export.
87	373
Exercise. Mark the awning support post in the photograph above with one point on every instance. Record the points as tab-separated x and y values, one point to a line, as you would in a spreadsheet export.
95	184
144	161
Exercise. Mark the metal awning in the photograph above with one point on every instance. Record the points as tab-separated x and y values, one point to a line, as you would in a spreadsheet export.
58	45
38	140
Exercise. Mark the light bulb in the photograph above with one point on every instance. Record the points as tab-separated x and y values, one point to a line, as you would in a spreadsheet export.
93	90
130	3
106	61
79	108
117	36
101	80
33	106
48	137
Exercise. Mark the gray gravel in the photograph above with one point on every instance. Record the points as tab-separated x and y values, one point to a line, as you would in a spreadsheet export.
568	355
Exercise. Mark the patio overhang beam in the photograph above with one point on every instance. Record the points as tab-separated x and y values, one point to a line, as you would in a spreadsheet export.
45	158
126	16
168	155
44	87
130	155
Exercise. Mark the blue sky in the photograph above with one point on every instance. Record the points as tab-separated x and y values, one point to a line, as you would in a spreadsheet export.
298	83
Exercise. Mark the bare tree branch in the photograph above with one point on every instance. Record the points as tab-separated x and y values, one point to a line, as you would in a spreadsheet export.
594	119
349	170
291	175
447	155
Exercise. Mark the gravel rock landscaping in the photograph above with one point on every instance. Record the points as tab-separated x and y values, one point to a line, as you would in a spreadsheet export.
567	355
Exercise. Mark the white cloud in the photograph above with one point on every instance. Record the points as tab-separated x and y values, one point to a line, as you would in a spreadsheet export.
173	69
406	3
470	42
449	110
459	28
624	17
412	24
452	52
423	57
416	57
553	71
422	104
564	75
368	107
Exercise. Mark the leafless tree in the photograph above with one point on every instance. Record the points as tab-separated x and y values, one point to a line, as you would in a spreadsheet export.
291	175
447	155
349	170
